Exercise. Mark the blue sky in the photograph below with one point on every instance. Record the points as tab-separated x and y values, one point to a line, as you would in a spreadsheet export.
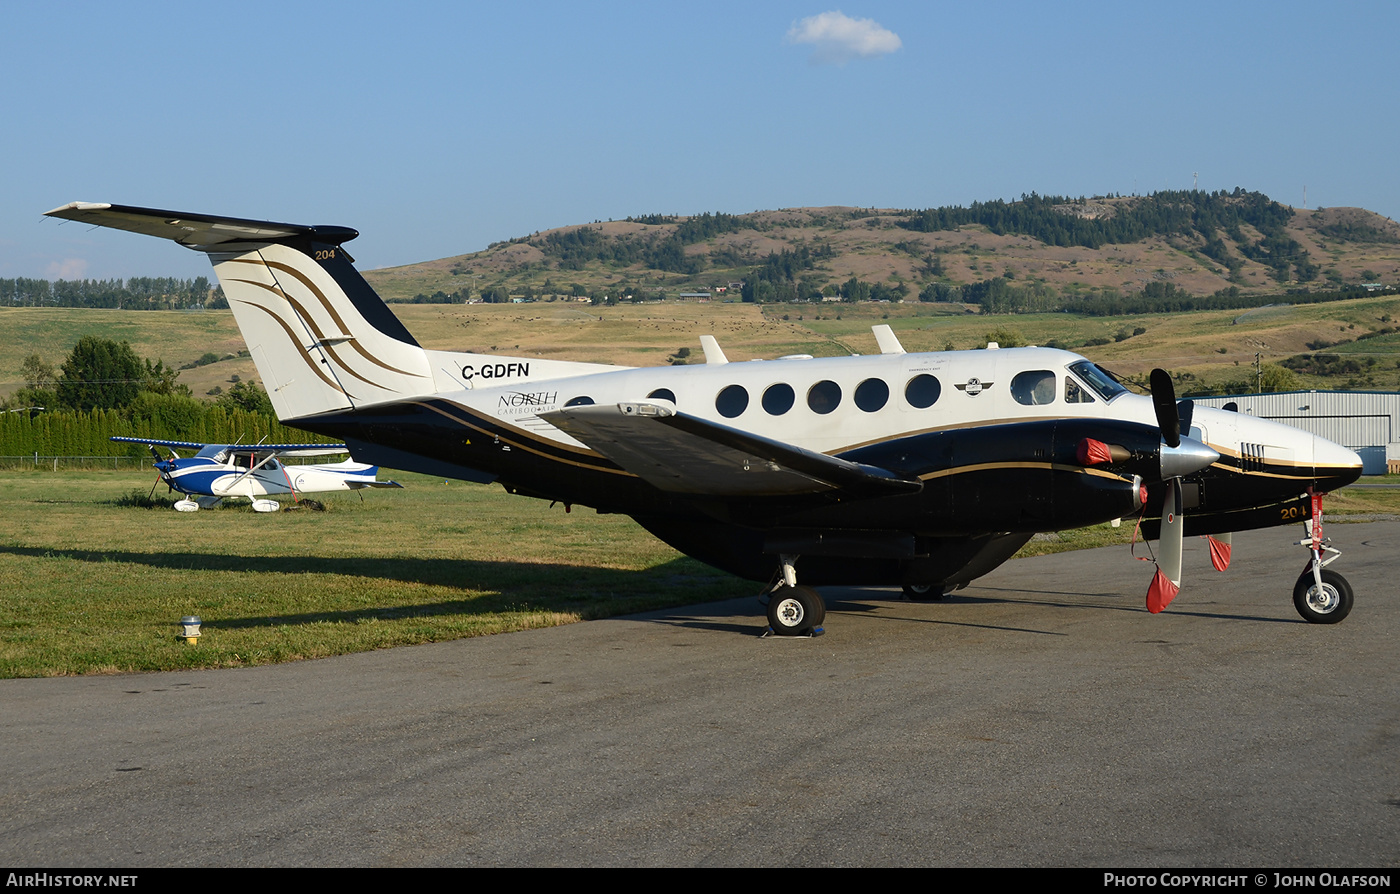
436	128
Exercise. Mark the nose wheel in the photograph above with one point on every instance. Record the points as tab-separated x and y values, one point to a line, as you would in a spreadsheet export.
1321	596
1325	602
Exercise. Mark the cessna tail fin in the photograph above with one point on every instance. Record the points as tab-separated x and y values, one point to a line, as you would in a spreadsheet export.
321	338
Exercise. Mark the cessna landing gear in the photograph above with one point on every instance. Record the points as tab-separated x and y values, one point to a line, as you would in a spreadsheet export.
1321	596
795	611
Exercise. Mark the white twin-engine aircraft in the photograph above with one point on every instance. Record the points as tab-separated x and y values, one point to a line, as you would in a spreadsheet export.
920	470
253	472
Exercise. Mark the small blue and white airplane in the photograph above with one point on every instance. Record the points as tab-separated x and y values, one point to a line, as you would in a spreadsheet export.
252	472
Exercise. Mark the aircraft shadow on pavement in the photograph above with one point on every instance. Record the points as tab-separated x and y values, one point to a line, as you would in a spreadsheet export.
1071	599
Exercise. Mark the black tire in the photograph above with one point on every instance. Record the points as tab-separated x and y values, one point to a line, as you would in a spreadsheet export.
1330	605
793	611
923	592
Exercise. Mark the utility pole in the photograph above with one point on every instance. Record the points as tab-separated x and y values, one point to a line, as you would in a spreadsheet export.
1258	373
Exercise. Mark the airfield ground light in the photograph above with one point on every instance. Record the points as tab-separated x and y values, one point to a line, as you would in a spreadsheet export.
190	626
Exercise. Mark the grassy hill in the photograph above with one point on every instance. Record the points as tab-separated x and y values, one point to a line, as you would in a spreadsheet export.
1195	242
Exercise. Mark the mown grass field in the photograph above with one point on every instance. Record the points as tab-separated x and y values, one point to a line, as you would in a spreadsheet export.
91	582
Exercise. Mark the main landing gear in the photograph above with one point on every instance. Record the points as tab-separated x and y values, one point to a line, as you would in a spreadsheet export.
794	610
1321	596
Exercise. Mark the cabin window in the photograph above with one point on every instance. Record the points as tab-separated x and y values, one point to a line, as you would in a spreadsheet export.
824	397
580	401
1074	394
663	394
872	394
778	399
1034	387
922	391
732	401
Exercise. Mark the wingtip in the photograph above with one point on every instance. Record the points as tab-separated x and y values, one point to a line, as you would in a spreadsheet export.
77	206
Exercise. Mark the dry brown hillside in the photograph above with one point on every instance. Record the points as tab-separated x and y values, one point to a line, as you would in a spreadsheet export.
1346	245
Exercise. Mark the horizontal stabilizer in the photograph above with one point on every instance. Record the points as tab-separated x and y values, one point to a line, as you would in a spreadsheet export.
195	229
685	454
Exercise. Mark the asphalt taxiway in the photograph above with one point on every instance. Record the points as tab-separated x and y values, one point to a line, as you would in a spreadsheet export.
1039	717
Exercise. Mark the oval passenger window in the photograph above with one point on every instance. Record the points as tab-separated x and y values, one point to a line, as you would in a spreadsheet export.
732	401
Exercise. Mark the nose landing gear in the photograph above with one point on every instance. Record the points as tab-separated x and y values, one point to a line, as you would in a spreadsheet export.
1321	596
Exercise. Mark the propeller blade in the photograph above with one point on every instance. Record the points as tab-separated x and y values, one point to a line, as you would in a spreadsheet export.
1164	402
153	488
1184	411
1167	582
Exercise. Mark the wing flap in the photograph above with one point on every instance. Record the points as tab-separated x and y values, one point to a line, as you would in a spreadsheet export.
686	454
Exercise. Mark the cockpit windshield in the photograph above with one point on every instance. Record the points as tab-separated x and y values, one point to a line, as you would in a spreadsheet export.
1100	382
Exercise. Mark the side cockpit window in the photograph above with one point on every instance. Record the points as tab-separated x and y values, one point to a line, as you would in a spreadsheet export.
1076	394
1034	387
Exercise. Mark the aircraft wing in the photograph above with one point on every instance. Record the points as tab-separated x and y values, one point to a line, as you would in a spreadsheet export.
361	485
685	454
261	450
258	450
153	442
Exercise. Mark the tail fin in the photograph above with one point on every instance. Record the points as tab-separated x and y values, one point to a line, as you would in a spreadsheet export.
321	338
314	346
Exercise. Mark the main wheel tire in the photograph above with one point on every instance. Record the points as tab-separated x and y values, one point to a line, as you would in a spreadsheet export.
793	611
1328	605
923	592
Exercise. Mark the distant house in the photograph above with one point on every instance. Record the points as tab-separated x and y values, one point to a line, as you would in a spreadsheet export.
696	296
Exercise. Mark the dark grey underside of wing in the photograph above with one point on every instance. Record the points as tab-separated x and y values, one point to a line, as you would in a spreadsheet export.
193	229
684	454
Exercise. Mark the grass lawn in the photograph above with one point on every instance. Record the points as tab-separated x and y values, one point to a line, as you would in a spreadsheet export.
91	582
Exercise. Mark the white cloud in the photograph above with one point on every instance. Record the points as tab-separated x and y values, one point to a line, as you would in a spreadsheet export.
837	38
69	268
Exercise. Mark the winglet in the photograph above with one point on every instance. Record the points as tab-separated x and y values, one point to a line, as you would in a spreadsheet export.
713	352
886	339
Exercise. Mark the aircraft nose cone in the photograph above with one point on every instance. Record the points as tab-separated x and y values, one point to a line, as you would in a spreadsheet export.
1334	465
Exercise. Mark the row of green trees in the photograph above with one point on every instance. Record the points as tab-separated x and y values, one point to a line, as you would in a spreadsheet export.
103	388
136	293
68	433
999	295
